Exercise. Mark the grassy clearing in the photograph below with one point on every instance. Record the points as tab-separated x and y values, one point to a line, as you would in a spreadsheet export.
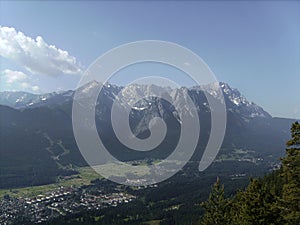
153	222
86	175
122	170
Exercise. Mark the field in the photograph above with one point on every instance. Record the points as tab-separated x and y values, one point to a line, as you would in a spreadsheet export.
85	176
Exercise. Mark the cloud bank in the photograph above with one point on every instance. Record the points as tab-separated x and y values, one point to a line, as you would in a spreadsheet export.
35	55
16	80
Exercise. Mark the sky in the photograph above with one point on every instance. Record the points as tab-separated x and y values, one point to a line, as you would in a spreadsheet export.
252	46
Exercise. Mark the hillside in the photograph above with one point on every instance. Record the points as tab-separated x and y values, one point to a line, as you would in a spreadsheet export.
46	148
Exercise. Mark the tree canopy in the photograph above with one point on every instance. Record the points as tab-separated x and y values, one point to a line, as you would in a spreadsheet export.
273	199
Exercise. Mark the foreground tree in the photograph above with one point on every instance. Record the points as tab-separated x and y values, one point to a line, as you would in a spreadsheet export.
273	199
290	202
256	205
216	208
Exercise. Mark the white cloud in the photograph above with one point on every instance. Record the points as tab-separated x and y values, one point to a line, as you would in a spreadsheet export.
14	76
17	80
25	85
36	55
35	88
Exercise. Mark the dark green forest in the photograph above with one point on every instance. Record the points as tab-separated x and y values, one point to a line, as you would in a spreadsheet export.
273	199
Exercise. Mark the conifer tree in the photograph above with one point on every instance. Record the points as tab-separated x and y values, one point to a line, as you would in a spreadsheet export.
290	204
216	208
273	199
256	205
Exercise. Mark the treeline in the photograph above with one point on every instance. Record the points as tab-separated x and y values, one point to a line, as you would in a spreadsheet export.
273	199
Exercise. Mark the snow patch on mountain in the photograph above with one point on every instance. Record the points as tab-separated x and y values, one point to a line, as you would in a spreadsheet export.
134	95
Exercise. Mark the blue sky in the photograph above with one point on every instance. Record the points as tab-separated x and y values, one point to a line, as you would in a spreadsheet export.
253	46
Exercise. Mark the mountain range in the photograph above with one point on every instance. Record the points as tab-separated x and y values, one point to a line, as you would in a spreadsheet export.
37	141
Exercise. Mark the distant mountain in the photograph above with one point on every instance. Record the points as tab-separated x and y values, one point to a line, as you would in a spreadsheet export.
37	142
234	100
20	99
